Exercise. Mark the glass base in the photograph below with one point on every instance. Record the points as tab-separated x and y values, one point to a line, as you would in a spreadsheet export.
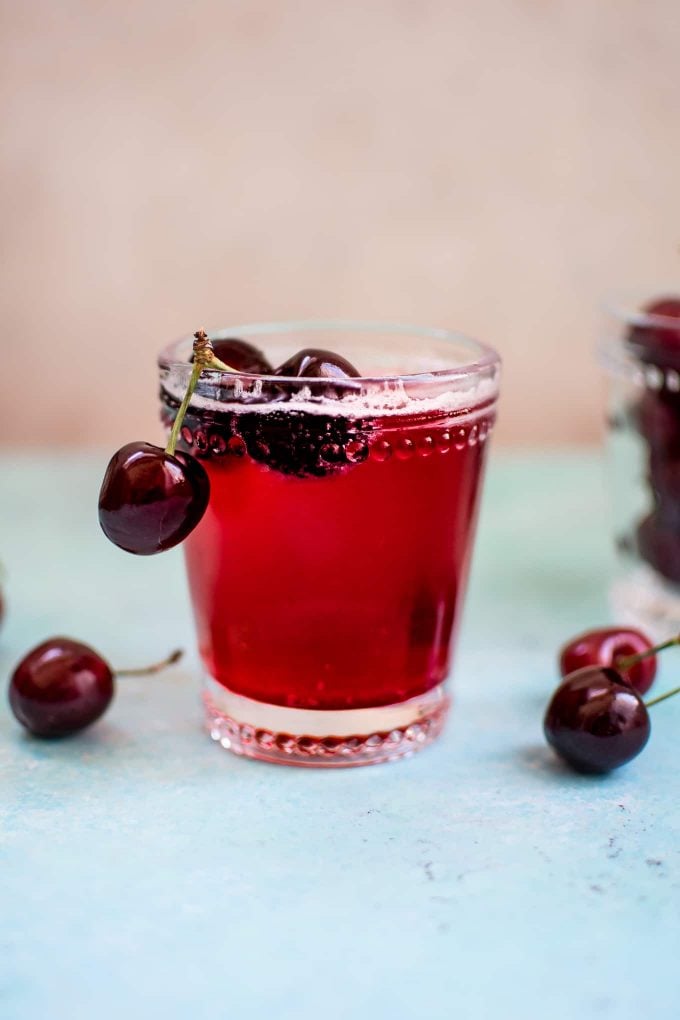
642	598
323	739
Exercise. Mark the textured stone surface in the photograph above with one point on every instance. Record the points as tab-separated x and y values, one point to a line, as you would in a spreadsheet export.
144	872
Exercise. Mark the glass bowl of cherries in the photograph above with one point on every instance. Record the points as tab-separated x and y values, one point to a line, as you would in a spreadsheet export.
641	356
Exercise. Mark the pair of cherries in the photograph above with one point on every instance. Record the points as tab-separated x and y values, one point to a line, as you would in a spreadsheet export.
597	719
152	498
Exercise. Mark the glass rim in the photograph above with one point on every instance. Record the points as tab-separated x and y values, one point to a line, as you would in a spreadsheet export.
483	356
626	309
620	355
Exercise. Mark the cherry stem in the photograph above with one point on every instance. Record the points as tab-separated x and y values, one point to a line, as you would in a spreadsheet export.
631	660
155	667
660	698
204	357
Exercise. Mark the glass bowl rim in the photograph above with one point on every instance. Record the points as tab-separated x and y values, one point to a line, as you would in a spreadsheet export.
624	309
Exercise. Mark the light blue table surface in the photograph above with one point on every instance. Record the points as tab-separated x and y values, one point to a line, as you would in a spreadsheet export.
144	872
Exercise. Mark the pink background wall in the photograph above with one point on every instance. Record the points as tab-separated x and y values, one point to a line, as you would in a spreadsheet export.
497	166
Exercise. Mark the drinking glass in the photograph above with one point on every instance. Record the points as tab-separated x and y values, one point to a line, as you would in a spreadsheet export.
328	574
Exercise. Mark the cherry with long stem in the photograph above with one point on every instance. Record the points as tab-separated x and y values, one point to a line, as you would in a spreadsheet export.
596	721
152	498
61	686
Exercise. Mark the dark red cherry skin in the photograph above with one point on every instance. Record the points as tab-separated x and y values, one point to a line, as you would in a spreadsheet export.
658	341
241	356
664	480
150	500
668	307
313	363
656	416
603	646
658	542
596	721
60	687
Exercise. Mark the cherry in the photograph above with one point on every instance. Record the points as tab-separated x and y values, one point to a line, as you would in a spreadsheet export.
596	721
312	363
658	542
668	307
610	647
150	500
664	479
658	341
241	356
62	686
657	417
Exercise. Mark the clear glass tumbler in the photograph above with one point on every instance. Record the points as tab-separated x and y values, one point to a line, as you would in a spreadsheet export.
641	356
328	574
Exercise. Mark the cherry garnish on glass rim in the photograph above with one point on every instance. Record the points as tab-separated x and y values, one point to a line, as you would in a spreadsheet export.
150	498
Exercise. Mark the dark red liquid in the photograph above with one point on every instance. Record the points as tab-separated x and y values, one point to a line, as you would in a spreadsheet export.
342	590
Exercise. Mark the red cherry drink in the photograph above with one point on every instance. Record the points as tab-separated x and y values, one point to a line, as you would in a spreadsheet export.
328	573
